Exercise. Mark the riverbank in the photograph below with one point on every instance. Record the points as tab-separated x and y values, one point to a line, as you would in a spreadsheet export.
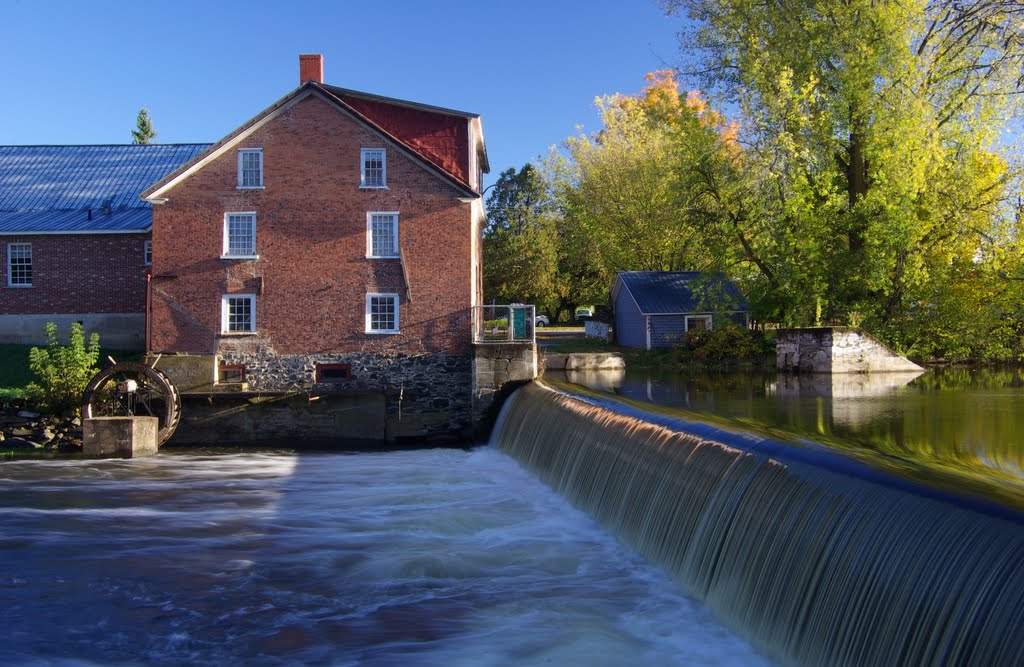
24	433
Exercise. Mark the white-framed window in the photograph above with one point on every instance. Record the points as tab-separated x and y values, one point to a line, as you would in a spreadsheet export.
698	322
373	168
240	235
250	167
19	265
382	234
147	253
238	313
381	313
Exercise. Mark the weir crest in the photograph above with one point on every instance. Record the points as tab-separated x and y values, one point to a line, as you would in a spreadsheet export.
813	566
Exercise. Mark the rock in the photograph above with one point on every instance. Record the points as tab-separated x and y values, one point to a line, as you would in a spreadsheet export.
21	432
47	435
20	443
25	414
76	422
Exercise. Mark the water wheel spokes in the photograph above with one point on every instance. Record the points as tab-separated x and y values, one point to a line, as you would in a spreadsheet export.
134	389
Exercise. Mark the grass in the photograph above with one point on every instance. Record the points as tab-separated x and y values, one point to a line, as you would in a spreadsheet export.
14	371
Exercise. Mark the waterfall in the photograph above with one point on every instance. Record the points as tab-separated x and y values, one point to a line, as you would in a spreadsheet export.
814	564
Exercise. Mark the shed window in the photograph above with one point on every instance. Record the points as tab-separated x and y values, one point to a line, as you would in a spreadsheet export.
147	253
373	168
250	168
19	265
698	322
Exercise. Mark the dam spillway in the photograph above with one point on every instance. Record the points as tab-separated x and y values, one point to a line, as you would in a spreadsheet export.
814	563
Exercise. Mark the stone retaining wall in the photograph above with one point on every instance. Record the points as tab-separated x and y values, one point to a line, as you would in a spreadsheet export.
836	350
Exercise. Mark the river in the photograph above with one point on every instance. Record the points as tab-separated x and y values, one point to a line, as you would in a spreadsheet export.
429	557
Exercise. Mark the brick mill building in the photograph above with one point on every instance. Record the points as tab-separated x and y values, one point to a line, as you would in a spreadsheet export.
75	238
331	243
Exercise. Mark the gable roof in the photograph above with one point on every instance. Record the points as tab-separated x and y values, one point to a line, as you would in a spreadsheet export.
156	191
679	292
83	189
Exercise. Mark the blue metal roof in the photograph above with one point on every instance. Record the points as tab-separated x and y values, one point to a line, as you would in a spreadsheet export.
678	292
83	189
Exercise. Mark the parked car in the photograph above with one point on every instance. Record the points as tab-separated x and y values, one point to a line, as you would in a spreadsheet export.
583	313
541	321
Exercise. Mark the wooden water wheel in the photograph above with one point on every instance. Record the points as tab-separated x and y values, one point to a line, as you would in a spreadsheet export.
133	389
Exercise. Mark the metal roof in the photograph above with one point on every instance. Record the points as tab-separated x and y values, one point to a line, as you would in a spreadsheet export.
677	292
83	189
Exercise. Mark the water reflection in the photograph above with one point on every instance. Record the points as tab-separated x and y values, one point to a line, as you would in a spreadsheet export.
971	420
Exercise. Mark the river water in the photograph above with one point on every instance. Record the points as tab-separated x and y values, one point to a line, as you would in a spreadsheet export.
951	427
430	557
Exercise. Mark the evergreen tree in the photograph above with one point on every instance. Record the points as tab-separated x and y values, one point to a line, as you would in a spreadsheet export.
144	131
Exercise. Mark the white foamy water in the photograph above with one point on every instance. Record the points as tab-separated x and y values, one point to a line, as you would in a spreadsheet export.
436	557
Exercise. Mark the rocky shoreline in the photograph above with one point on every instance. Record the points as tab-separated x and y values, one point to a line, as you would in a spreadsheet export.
25	431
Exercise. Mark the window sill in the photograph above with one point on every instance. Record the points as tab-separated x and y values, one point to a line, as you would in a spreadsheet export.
21	286
373	187
232	334
380	332
243	257
249	187
383	257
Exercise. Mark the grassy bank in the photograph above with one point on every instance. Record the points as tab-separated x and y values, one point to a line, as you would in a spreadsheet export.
723	349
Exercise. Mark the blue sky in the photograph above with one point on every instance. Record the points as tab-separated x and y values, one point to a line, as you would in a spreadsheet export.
78	72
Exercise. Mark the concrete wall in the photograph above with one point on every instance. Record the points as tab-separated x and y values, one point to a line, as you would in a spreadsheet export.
118	331
497	368
836	350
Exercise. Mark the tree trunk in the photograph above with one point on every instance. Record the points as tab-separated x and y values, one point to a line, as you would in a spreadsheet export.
856	182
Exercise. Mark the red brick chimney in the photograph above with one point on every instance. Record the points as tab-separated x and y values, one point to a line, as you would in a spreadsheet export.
311	68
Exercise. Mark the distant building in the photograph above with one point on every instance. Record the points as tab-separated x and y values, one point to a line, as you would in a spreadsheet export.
75	238
657	308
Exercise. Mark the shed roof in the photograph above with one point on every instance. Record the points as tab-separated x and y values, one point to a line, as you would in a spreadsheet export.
677	292
83	189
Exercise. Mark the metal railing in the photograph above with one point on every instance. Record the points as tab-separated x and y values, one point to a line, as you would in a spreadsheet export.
504	324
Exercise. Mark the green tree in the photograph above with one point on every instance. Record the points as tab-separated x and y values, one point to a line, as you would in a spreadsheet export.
143	132
63	371
871	160
520	241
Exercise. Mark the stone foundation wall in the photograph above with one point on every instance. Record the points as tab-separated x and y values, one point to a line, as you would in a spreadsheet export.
836	350
426	395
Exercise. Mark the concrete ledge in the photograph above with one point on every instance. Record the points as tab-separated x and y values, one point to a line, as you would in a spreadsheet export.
120	437
584	361
118	331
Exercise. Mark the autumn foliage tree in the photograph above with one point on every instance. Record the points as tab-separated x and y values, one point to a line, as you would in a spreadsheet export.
875	187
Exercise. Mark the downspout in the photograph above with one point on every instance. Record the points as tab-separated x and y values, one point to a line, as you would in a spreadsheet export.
149	311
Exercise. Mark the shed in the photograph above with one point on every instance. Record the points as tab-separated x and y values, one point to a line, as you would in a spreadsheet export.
655	309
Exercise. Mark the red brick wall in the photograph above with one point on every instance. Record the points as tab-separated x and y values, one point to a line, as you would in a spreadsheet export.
311	242
78	273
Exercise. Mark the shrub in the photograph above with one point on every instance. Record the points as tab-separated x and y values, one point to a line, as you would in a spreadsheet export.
726	343
62	371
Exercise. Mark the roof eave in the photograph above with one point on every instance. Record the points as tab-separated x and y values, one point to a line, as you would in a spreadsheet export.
154	194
